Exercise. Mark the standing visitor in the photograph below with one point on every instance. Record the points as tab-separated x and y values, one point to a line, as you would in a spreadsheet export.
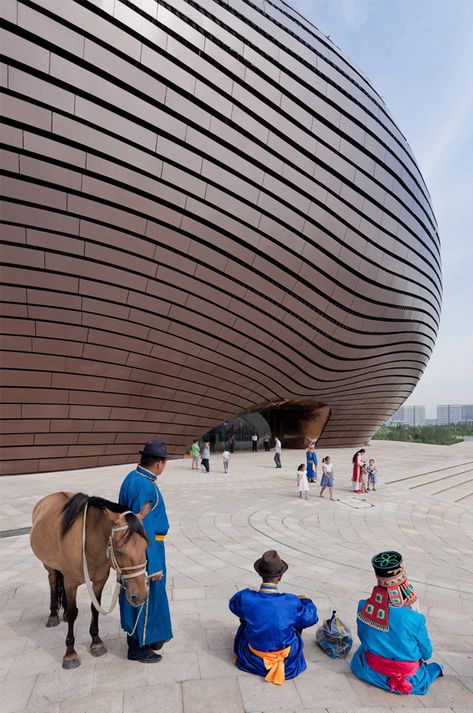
372	472
149	626
364	479
302	482
195	453
254	442
268	641
226	459
395	644
277	452
327	477
205	460
358	465
231	443
266	441
311	459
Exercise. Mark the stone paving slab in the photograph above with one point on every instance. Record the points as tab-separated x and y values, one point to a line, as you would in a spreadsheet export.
219	526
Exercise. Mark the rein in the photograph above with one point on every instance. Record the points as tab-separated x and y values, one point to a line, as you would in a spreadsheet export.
119	570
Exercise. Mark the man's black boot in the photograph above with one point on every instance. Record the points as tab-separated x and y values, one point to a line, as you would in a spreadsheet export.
143	654
157	645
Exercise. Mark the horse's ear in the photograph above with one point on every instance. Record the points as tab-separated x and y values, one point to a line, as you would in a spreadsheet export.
144	510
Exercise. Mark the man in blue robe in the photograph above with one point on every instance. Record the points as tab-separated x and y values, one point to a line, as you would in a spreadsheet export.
268	641
394	640
149	626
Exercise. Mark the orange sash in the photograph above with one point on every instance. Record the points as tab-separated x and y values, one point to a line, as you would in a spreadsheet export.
274	663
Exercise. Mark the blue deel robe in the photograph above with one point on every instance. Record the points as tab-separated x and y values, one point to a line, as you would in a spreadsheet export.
406	640
271	622
311	461
154	622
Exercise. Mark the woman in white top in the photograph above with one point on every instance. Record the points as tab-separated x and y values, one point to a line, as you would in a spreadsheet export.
327	477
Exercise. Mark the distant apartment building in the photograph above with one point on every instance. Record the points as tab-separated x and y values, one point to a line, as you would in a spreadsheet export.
450	413
414	415
408	416
442	415
446	414
467	412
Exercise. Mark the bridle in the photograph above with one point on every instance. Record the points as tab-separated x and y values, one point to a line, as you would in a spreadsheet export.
113	558
111	555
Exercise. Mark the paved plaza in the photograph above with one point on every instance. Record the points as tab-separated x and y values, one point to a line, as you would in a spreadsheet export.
219	525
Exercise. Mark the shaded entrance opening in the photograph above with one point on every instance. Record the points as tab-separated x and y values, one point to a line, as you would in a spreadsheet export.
296	423
242	428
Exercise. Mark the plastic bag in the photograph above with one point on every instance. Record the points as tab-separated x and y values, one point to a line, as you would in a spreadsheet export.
334	637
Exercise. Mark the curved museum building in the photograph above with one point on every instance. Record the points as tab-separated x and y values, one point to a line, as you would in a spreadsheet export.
208	211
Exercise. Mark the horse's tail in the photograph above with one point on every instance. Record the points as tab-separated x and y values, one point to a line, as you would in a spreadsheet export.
72	509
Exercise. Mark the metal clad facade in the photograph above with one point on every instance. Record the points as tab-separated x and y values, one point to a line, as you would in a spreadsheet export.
207	211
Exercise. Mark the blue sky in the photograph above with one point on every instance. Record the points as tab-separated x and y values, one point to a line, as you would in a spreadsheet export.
418	54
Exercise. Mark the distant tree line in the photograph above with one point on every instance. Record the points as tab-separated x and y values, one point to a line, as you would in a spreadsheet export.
441	435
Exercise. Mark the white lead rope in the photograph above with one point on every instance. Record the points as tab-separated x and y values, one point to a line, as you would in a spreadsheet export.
88	582
114	562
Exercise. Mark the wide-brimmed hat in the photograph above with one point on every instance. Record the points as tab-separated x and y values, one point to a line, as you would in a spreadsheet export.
156	449
270	565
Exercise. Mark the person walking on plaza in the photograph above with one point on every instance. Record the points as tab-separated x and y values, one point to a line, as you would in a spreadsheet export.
231	443
359	464
195	453
302	482
311	459
395	644
254	442
226	460
268	641
266	441
327	477
277	452
205	459
372	473
149	626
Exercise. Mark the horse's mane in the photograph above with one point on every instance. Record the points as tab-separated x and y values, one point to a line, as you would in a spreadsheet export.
75	506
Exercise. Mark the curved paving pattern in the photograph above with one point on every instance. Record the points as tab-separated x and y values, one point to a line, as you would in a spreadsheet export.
207	211
219	526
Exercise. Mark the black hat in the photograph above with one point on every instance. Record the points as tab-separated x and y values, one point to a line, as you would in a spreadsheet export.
387	563
270	564
156	449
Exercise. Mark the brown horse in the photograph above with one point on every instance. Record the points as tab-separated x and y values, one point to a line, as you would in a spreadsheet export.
112	538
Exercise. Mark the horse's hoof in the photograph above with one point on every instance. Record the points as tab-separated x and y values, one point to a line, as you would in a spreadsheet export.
52	621
70	662
97	649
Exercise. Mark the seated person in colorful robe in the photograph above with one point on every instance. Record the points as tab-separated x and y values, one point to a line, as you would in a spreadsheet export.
394	640
268	642
148	627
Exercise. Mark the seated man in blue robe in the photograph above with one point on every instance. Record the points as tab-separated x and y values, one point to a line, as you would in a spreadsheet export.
394	640
268	641
149	626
